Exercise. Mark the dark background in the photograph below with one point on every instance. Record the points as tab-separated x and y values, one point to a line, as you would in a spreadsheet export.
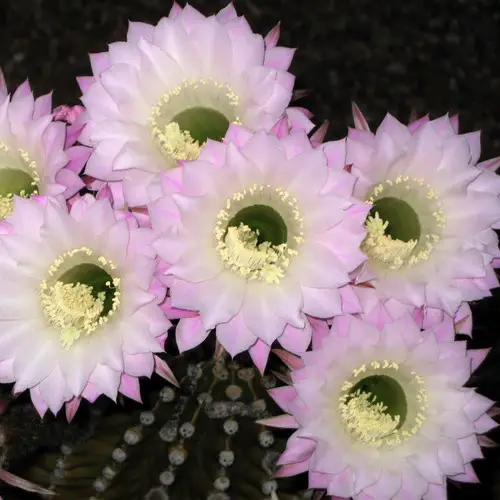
387	55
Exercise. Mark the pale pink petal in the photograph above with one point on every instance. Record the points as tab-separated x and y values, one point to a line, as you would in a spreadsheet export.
259	353
221	298
38	402
290	360
189	333
138	30
321	481
428	466
470	449
278	57
23	484
174	313
297	450
129	386
296	340
281	421
271	39
436	492
283	396
319	136
72	407
91	393
138	365
450	458
469	476
359	120
320	330
342	484
388	484
477	356
162	369
484	424
235	336
106	380
477	406
292	469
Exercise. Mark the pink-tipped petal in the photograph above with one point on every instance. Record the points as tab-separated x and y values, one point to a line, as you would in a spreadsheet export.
297	450
129	386
72	407
281	421
279	57
162	369
296	340
319	136
290	360
271	39
477	357
320	330
359	120
23	484
292	469
469	476
259	353
189	333
283	396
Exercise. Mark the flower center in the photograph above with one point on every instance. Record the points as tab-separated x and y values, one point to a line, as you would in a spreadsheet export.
80	294
18	176
382	405
187	116
258	232
404	224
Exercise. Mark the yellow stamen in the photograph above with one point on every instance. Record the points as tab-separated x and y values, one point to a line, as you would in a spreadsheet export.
238	246
241	253
6	205
368	420
30	167
176	143
72	308
396	254
382	248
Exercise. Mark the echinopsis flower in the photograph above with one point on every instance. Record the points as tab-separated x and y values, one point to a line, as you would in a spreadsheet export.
157	98
77	314
258	233
382	413
34	156
430	239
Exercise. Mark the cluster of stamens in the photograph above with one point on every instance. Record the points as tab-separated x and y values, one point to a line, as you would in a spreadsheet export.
238	246
368	420
395	254
175	143
72	307
7	200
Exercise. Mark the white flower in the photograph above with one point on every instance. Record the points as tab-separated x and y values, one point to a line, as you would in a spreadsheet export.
77	318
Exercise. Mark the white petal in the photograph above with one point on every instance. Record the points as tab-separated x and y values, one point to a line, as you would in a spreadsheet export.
317	267
321	302
234	336
106	380
221	298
